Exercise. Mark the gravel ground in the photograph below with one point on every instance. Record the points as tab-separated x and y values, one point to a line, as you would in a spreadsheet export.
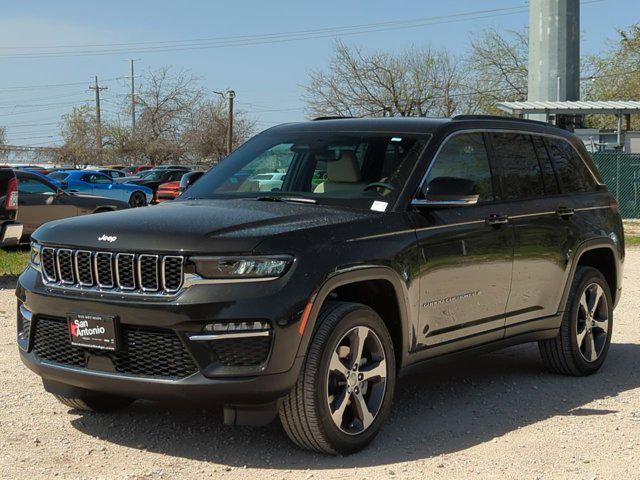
496	416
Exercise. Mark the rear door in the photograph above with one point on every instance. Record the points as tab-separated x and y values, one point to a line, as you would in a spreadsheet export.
543	235
466	255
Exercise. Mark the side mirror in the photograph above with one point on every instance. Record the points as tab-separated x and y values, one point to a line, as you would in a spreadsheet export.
449	192
64	185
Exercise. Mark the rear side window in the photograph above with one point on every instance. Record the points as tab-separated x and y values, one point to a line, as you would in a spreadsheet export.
465	156
521	173
548	175
571	170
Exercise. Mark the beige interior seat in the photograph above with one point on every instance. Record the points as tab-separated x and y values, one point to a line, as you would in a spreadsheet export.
343	175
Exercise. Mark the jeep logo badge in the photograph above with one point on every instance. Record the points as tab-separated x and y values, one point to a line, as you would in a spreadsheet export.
107	238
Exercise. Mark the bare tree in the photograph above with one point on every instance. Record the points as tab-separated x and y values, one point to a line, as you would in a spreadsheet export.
497	69
205	138
415	82
4	154
165	103
78	130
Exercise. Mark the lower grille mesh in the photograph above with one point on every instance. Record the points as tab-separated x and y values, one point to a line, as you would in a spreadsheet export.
242	352
144	352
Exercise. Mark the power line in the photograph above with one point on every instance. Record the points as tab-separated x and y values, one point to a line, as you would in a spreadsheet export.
53	85
26	105
271	38
20	125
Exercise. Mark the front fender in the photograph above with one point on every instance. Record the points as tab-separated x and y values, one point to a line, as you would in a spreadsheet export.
353	275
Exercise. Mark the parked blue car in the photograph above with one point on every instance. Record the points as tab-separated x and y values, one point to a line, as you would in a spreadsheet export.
96	183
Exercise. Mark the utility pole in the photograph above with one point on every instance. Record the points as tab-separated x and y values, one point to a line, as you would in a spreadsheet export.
97	89
133	100
230	96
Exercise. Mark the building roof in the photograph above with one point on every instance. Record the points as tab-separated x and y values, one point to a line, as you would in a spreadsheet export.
571	108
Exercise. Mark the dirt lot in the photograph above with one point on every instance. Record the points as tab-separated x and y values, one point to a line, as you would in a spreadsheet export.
497	416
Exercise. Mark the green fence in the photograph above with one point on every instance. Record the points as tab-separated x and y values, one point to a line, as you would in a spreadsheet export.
621	173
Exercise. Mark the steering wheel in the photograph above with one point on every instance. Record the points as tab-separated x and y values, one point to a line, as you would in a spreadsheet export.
385	185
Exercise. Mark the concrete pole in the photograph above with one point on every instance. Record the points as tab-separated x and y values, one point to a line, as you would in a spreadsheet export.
554	51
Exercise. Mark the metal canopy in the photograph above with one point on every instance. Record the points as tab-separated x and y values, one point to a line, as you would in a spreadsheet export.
571	108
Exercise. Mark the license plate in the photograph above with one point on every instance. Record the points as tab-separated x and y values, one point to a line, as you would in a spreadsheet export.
92	331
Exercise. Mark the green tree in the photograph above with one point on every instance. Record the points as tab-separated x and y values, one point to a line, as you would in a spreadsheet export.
615	74
497	69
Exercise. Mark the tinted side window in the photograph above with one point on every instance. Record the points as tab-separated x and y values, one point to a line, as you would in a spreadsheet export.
31	185
521	173
550	181
571	170
465	156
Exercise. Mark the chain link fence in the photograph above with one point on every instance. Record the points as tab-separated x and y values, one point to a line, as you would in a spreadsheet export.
621	173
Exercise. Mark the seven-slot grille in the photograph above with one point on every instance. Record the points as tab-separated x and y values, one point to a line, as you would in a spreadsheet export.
140	273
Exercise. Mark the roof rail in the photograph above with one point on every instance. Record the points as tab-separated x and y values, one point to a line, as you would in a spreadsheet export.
498	117
329	117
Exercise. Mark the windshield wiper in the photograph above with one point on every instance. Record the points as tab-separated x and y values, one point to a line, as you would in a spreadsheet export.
273	198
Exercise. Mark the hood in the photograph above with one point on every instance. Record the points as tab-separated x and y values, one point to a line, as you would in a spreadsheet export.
204	226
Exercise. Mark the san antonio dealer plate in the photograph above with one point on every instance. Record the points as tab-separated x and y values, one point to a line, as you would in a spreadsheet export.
92	331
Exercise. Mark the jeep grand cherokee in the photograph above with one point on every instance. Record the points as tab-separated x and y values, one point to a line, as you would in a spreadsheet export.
389	242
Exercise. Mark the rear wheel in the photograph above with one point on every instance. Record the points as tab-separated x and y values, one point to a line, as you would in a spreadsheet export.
344	392
137	199
95	402
583	341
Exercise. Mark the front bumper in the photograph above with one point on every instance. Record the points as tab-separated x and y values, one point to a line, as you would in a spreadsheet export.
257	390
184	315
11	233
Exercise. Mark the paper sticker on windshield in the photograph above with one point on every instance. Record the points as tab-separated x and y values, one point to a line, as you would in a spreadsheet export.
378	206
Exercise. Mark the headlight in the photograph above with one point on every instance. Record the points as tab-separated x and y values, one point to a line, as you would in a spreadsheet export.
35	257
242	267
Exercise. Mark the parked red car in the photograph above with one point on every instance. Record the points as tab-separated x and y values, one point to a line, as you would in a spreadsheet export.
135	169
168	191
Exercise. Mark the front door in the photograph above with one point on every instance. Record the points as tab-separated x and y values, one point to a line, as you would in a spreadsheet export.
40	202
466	254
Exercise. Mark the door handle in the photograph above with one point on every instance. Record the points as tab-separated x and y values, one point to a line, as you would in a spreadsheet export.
565	212
495	219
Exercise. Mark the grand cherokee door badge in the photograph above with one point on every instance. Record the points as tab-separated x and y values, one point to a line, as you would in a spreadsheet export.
451	299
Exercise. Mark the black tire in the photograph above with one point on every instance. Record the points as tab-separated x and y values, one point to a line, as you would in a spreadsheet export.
305	413
562	354
96	402
138	199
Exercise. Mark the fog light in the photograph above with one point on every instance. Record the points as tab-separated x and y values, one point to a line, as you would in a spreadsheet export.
232	327
24	318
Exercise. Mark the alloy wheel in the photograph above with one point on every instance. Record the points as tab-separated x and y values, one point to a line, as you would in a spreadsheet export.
356	380
592	327
138	200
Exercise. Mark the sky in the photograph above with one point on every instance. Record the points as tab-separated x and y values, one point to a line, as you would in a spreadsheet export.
266	73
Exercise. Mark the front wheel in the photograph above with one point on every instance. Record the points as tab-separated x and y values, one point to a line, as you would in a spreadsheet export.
582	343
344	391
137	199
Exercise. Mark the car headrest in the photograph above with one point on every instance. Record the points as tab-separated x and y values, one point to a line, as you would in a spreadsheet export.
345	169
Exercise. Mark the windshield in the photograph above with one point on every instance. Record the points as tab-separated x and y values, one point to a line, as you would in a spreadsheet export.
58	175
154	175
344	168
